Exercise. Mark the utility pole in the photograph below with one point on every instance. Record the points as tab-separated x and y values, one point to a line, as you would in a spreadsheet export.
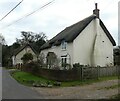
1	43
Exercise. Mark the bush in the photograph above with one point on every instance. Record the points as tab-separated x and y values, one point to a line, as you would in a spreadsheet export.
32	66
76	65
27	57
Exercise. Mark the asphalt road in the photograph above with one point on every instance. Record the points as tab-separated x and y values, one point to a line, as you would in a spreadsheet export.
11	89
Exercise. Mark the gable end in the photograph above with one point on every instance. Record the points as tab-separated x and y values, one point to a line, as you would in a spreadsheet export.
107	33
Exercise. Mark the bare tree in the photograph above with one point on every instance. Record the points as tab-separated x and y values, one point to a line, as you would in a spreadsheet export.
2	40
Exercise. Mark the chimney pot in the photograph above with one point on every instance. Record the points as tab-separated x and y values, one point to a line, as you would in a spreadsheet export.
95	5
96	11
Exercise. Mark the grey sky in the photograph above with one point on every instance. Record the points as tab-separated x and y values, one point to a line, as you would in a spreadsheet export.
55	17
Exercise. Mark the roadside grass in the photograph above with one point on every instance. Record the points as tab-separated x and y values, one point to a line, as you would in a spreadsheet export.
108	78
112	87
28	79
89	81
77	83
115	97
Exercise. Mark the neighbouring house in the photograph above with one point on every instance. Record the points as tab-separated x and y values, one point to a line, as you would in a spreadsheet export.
18	54
117	55
87	42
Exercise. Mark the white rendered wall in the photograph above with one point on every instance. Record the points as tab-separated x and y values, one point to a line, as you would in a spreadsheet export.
103	52
84	51
59	52
20	55
83	45
91	47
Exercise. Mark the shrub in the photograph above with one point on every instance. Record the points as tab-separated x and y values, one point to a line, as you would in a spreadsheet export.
27	57
32	66
76	65
56	68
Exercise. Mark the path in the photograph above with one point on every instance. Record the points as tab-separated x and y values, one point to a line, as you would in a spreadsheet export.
14	90
11	89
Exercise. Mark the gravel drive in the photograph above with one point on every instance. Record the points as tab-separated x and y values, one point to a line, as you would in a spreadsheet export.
92	91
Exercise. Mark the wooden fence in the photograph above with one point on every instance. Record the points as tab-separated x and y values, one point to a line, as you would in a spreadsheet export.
108	71
80	73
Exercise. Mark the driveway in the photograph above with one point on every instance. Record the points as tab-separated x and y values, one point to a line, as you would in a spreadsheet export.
92	91
11	89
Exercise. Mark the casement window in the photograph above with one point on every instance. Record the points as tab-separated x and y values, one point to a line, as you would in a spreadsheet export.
63	60
64	45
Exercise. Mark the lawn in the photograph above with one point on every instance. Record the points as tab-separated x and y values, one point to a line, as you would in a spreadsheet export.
28	79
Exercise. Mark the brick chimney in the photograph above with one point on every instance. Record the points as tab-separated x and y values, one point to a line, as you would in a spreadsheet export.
96	11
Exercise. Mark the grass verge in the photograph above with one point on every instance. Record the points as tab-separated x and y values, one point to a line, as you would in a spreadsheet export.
90	81
112	87
28	79
116	97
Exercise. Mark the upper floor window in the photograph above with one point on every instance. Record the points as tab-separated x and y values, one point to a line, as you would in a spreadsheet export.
64	45
53	46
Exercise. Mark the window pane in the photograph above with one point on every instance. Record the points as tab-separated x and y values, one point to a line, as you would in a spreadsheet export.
63	45
63	61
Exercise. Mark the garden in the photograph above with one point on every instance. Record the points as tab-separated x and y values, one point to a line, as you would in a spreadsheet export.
28	79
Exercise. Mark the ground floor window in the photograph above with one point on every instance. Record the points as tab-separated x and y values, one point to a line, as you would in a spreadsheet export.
64	61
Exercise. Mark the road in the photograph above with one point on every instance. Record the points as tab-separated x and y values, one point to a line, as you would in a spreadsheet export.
11	89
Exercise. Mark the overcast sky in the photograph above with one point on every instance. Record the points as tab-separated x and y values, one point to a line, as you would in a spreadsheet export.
54	17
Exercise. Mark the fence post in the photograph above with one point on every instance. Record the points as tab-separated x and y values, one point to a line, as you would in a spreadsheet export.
98	71
118	71
107	71
81	73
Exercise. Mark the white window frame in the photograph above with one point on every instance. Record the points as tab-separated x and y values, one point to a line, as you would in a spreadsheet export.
64	45
63	60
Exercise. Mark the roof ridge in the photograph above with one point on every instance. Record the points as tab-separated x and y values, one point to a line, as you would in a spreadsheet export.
93	15
72	31
69	30
16	51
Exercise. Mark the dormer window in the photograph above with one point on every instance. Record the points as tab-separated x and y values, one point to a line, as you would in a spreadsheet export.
63	45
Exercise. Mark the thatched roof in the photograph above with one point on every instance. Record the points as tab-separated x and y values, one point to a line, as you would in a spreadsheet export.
18	50
71	32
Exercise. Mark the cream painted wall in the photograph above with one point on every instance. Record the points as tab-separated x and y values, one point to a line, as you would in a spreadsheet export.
17	58
59	52
84	51
103	53
13	60
83	45
91	47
